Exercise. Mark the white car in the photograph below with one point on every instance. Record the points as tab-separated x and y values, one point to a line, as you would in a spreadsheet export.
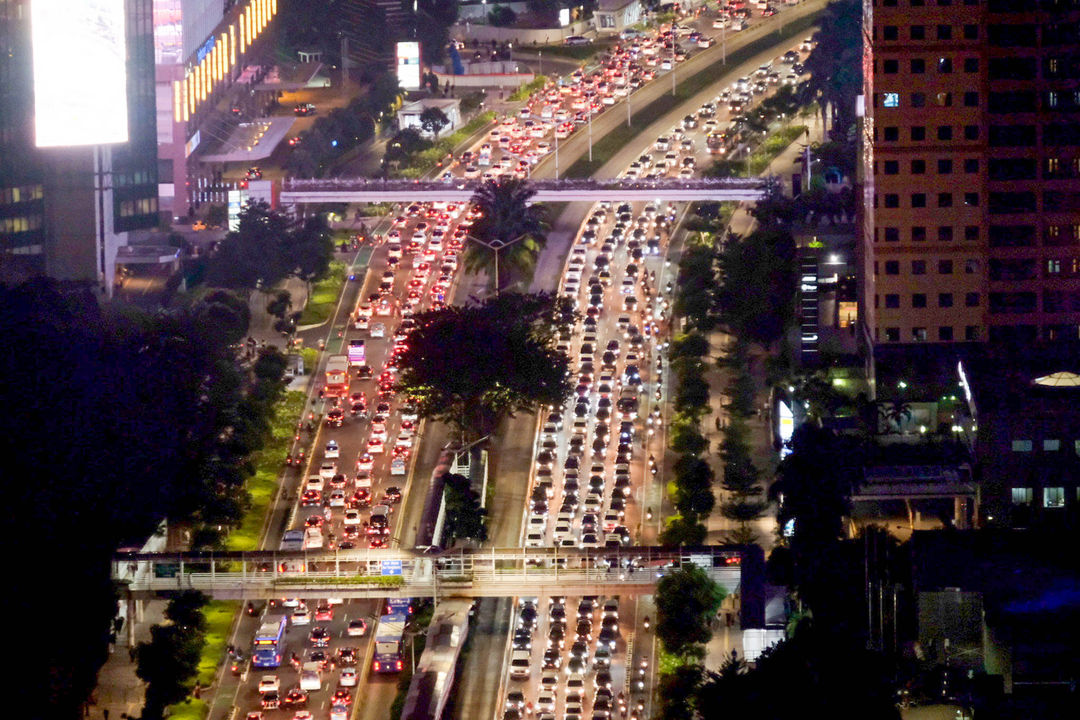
348	677
361	322
352	517
327	470
397	466
332	451
269	684
375	446
365	463
378	330
363	479
301	616
316	483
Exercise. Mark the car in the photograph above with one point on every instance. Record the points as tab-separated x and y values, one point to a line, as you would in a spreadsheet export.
254	173
269	684
301	616
332	451
341	697
304	109
324	611
348	677
346	657
319	637
295	698
270	701
378	330
357	628
365	463
576	40
327	470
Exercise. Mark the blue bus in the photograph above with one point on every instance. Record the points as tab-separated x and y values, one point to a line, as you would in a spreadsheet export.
389	637
269	646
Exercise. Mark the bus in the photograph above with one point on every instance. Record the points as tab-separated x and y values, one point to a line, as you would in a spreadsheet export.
269	646
357	354
389	637
337	377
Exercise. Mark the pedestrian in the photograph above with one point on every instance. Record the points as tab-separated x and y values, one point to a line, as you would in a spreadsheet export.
132	653
105	713
717	423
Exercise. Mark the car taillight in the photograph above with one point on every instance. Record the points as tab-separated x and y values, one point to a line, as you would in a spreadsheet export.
376	666
398	664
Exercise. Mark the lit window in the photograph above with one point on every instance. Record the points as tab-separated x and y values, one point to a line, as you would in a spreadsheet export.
1051	445
1021	445
1054	497
1021	496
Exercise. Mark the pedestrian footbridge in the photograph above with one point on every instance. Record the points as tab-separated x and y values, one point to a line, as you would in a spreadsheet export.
402	573
366	190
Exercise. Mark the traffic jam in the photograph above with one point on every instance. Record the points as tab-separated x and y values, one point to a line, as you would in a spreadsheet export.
595	456
570	656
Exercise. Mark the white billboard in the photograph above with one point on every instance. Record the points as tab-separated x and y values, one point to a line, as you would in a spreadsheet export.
408	65
80	75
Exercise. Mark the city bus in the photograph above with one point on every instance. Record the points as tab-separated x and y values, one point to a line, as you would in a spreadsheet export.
390	636
269	645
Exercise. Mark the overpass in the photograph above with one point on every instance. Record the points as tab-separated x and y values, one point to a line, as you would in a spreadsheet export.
387	573
367	190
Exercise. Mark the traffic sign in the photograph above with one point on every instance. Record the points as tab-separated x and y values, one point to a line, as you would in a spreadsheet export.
391	567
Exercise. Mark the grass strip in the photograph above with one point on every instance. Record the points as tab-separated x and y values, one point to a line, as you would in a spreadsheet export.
524	91
774	144
426	160
264	483
324	296
605	148
574	52
189	709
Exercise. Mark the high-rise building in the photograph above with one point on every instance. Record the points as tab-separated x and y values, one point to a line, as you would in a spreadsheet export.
972	202
67	203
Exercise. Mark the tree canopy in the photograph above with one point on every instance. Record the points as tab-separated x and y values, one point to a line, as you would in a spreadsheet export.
686	601
433	120
508	221
473	366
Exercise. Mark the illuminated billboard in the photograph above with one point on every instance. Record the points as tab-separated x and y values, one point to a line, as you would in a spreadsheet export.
408	65
80	74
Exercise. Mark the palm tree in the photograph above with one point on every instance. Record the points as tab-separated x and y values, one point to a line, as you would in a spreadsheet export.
835	64
508	225
896	412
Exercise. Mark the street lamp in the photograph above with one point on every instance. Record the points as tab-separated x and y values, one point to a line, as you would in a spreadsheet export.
495	246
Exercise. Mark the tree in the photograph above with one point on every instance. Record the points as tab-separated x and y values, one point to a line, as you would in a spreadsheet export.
310	249
510	229
683	532
694	298
170	660
834	65
690	345
464	516
254	254
433	120
473	366
895	413
502	16
693	487
280	304
686	437
758	283
686	601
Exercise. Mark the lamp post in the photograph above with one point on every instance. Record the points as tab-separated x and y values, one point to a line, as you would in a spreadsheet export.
495	246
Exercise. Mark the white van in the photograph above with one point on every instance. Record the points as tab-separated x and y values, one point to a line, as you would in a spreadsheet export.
520	664
313	538
310	677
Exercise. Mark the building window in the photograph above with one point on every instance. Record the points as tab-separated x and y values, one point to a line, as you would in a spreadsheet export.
971	333
971	32
971	233
890	32
1021	446
892	134
944	333
892	200
918	66
944	200
1076	448
944	233
943	99
971	266
918	267
890	67
892	301
971	99
1054	497
918	234
918	167
918	133
944	166
892	234
944	32
918	32
892	334
918	334
971	165
918	200
944	132
1053	267
971	199
892	167
944	267
892	267
1022	495
944	65
944	300
1051	445
918	100
971	132
918	300
971	65
971	299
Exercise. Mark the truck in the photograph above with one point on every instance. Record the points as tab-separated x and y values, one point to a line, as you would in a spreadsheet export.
337	377
357	353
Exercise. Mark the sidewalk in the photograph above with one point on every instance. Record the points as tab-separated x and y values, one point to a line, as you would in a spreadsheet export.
119	692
